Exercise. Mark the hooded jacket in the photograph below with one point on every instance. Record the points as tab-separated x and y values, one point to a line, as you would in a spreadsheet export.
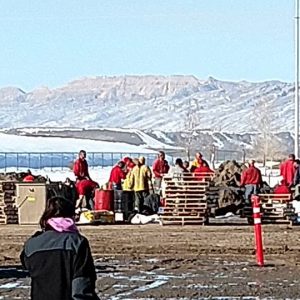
60	263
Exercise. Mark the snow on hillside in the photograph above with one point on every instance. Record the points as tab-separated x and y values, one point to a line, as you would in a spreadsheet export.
15	143
100	175
149	103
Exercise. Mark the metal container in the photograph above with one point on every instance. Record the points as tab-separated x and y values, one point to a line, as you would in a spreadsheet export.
104	200
31	201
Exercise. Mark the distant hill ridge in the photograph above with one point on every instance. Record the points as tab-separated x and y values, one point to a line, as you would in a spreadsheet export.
150	103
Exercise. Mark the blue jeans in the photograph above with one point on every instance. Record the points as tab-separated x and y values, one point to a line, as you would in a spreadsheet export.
250	189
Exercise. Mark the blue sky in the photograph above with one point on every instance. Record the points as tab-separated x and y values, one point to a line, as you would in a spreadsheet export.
50	43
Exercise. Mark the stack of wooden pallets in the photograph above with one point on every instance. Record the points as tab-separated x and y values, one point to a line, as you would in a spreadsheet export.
275	208
185	199
8	208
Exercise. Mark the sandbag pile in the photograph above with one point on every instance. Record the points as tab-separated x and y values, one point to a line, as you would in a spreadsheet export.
226	185
229	174
18	177
228	195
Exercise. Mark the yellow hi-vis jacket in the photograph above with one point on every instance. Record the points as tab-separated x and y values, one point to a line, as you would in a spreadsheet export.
138	178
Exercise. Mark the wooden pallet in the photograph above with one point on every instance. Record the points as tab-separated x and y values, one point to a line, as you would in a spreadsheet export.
183	220
8	209
185	200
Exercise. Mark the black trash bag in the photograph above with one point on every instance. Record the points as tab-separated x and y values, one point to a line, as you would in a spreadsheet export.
151	204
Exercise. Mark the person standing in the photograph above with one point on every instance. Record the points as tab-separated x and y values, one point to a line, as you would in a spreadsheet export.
288	170
139	179
81	168
58	258
251	179
179	167
129	165
160	168
198	162
84	184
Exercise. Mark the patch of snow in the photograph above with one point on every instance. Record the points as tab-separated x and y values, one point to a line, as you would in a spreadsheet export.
15	143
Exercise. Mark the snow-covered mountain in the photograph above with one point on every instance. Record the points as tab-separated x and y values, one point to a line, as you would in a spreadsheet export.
154	103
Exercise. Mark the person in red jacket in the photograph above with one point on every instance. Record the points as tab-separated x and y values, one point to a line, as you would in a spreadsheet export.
28	177
202	172
160	168
117	174
81	168
84	184
282	188
288	169
251	179
85	189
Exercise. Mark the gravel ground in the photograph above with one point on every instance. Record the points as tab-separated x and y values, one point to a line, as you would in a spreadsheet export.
155	262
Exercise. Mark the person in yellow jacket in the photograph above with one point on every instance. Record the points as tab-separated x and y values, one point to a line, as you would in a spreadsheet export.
127	183
139	178
198	162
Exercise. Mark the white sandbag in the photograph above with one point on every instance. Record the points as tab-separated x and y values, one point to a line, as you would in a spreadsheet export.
142	219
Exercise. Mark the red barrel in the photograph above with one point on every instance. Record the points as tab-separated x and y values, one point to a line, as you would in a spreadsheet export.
104	200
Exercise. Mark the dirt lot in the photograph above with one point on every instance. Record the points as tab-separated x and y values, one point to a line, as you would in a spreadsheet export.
192	262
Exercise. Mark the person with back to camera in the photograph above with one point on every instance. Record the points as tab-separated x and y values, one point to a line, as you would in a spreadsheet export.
139	179
288	170
251	179
58	258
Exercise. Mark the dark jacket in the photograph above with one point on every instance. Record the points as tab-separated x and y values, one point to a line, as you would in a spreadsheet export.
297	176
60	265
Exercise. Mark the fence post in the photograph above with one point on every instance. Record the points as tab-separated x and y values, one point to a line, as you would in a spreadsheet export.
213	156
29	160
17	161
244	155
5	161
